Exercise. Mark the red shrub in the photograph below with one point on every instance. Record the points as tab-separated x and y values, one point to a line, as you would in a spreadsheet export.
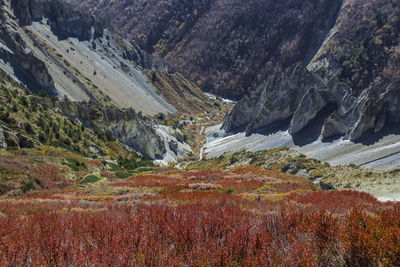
108	175
336	200
220	233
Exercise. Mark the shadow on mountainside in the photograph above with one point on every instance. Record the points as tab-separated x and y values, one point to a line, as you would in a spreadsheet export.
313	130
371	137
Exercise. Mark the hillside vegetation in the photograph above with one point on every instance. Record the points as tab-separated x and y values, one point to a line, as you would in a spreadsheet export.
59	207
242	217
38	143
289	161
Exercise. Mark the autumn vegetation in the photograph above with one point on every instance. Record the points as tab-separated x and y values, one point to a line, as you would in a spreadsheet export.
241	217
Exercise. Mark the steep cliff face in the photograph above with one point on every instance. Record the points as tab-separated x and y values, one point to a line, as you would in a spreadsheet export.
13	52
63	20
127	126
276	100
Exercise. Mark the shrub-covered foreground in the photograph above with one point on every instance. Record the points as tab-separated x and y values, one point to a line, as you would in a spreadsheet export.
209	218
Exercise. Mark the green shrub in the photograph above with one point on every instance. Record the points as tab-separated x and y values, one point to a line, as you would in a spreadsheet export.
27	186
229	191
75	165
90	179
143	169
11	148
28	128
115	167
123	175
234	159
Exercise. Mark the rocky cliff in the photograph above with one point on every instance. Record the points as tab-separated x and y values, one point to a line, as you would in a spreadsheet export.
300	97
128	126
63	20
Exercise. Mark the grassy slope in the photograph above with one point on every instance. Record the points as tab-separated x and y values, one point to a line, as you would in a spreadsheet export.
184	95
27	114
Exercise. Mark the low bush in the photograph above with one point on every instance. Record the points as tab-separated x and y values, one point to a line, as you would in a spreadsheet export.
123	175
90	179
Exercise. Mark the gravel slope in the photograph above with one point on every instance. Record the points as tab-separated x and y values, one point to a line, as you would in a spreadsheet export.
126	89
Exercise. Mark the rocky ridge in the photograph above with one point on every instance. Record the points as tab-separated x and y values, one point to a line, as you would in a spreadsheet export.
301	97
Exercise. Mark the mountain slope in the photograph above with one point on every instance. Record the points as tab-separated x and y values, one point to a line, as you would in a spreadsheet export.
226	46
47	45
94	77
230	47
351	84
28	121
343	107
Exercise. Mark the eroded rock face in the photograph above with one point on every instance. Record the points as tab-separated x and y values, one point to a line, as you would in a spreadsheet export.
128	126
134	53
300	96
40	65
137	135
276	100
9	138
27	67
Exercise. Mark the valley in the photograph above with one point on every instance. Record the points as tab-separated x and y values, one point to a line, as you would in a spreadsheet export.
199	133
